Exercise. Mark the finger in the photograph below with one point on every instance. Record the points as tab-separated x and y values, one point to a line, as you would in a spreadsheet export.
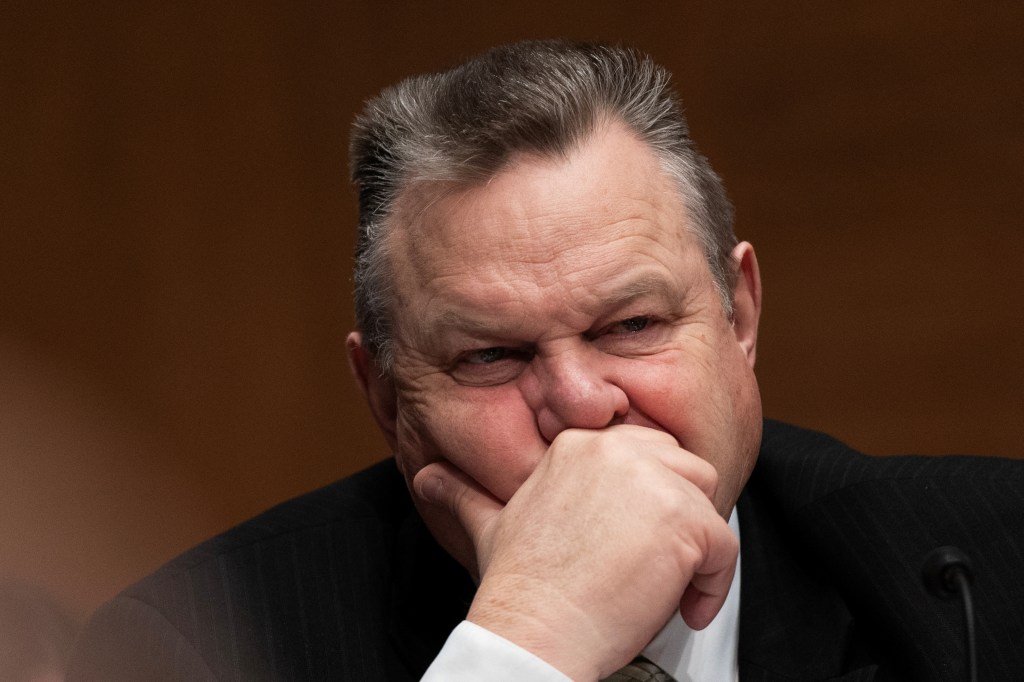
704	596
444	485
697	471
645	433
668	451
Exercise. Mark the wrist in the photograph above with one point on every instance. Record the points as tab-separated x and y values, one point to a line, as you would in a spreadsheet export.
544	625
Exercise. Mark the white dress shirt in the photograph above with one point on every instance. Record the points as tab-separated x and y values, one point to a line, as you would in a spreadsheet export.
473	653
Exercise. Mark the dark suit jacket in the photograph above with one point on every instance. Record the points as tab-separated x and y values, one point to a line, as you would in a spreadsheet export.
345	583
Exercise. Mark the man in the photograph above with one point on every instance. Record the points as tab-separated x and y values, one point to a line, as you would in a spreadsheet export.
557	334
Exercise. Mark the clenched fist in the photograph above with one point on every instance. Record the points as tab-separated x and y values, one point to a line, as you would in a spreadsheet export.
612	533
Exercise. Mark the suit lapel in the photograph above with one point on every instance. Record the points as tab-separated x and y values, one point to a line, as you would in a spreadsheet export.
793	624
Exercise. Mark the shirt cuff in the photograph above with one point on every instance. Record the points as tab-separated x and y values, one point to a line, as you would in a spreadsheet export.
473	653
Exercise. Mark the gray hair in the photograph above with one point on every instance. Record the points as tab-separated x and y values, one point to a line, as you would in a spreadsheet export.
463	125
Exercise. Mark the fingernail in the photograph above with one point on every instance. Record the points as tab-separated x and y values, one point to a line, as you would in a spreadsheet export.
430	489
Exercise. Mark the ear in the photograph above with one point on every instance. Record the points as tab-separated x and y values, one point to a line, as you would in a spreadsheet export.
746	296
378	390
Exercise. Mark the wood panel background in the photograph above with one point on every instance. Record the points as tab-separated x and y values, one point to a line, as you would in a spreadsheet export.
176	230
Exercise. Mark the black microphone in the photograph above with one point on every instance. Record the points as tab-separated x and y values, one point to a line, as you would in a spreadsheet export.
947	574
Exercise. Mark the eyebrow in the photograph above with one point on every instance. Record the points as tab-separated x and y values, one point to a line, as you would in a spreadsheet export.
452	318
645	285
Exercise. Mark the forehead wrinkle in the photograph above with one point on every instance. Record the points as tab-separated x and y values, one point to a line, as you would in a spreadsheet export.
594	303
450	318
647	284
585	268
472	303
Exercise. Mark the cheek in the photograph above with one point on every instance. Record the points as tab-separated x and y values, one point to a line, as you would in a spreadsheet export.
491	435
669	393
711	408
704	377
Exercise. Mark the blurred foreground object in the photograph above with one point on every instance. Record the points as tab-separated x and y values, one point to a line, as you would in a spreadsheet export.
36	635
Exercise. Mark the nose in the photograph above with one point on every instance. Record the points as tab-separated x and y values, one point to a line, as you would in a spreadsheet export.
576	389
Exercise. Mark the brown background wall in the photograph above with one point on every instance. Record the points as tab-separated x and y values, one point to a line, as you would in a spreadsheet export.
176	230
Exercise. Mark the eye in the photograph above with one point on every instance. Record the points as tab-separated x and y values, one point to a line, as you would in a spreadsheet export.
487	356
490	366
630	326
638	335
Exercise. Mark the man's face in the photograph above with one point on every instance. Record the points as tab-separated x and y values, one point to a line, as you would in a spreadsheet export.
563	293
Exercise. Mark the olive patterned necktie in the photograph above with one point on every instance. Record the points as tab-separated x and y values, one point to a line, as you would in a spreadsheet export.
640	670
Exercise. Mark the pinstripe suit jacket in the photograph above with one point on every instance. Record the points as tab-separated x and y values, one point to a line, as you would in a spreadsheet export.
345	583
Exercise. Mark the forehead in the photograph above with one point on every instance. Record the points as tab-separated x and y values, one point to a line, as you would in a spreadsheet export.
564	227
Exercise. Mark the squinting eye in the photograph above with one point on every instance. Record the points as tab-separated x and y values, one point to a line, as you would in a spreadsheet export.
633	337
632	325
490	366
487	356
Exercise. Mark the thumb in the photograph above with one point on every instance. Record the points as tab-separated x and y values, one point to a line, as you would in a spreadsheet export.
444	485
